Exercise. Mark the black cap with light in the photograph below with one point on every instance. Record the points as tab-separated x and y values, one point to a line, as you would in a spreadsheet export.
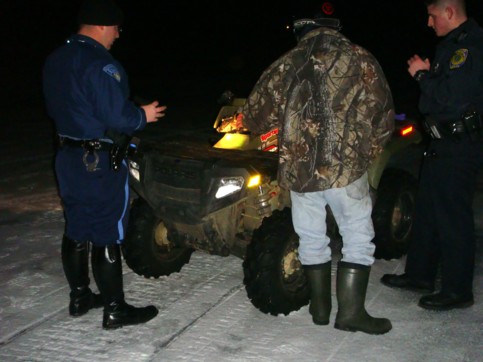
313	17
100	12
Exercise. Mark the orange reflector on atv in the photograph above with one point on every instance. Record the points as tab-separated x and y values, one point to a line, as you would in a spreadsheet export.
407	130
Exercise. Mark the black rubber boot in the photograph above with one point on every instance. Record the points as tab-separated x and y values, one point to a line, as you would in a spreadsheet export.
107	270
75	258
403	281
320	292
352	280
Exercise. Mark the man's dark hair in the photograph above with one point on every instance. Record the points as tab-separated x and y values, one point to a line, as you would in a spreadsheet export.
460	3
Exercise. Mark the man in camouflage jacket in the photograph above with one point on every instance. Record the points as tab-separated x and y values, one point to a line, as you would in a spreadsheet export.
333	107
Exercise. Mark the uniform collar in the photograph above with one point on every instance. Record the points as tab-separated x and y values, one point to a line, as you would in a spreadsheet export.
458	34
79	38
321	30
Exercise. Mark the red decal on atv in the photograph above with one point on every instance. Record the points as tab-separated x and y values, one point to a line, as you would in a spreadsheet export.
271	148
267	135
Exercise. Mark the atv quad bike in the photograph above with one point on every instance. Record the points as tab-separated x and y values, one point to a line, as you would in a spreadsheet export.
224	199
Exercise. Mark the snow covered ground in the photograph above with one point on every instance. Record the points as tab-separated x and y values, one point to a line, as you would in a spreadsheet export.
204	312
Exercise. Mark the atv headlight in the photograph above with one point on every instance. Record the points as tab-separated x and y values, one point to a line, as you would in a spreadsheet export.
229	185
134	170
254	181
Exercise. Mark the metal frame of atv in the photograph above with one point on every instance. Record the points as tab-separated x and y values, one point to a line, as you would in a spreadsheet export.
193	196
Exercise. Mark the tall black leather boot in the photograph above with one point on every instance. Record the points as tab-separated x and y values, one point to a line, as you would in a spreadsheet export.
75	257
107	270
320	292
352	280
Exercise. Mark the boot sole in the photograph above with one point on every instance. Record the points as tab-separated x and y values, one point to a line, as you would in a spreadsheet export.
411	288
352	329
117	326
319	322
112	327
120	325
446	308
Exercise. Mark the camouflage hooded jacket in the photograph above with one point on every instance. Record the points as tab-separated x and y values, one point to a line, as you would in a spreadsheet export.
333	107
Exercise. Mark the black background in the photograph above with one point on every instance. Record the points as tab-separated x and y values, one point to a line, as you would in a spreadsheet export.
186	53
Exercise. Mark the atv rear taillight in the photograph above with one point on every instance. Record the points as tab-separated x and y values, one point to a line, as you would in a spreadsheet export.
406	131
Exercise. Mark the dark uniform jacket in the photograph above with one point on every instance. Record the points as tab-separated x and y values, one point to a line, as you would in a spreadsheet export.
455	81
443	236
333	107
86	91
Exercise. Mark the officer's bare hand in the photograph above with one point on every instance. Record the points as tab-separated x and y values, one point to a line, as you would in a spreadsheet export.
417	63
154	111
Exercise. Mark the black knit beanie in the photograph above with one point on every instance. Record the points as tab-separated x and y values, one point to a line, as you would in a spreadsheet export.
100	12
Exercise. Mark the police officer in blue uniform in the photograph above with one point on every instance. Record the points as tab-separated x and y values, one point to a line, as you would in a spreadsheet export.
452	100
87	94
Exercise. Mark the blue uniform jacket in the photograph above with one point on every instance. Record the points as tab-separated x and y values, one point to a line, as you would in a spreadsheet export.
455	81
87	92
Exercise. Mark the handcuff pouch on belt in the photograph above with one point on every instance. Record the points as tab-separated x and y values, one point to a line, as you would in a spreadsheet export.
90	148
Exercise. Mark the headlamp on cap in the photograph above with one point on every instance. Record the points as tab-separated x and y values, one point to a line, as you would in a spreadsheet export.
322	16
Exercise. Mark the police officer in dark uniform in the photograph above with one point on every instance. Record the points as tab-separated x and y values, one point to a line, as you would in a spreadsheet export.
86	92
452	101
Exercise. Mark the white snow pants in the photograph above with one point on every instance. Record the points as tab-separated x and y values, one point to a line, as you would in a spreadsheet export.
352	208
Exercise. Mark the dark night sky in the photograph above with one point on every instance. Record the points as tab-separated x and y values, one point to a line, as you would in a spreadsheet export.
196	49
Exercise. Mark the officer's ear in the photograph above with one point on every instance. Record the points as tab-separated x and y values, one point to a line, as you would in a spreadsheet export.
449	12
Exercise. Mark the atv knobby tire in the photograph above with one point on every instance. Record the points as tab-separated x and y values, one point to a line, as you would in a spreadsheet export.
274	278
393	214
146	248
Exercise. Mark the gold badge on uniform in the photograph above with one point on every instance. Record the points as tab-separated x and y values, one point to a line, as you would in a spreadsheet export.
458	58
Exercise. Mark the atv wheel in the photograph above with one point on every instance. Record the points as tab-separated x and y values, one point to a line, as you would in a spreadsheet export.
393	214
274	278
146	248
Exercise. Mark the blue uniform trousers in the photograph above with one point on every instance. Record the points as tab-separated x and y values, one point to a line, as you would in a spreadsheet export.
443	232
95	203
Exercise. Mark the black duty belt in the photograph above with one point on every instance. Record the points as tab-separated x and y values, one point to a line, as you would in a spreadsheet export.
89	145
452	127
469	126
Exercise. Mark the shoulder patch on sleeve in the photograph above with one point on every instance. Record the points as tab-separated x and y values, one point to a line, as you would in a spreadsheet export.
112	71
458	58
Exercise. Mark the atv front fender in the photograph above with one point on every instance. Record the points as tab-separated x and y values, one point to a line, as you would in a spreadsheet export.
393	147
